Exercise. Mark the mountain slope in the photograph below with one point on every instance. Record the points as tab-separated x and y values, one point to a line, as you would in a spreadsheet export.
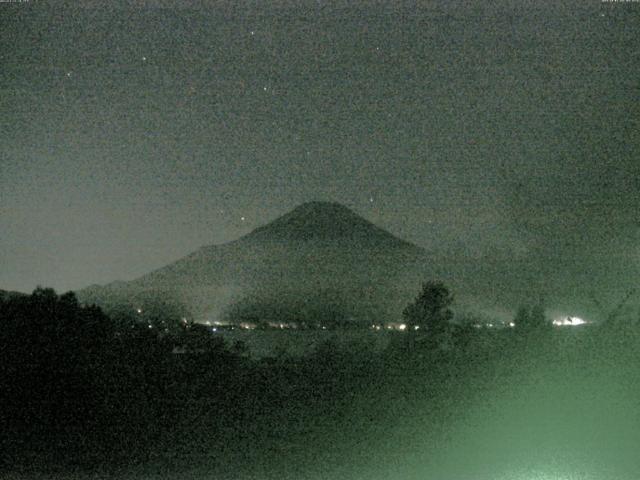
320	253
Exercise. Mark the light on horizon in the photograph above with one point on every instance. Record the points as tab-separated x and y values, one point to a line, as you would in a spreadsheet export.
569	321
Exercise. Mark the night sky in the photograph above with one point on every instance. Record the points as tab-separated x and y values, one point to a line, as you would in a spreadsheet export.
503	132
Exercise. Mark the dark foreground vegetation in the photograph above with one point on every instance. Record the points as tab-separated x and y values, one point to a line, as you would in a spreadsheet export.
84	392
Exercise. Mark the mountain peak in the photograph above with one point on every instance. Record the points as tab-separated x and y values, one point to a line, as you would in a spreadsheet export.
323	221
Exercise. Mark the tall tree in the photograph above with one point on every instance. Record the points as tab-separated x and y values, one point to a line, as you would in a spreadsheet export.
430	312
531	319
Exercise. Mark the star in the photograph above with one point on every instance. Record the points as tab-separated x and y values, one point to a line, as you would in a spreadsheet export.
144	59
242	219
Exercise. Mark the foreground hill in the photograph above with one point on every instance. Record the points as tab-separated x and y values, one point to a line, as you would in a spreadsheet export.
7	295
319	260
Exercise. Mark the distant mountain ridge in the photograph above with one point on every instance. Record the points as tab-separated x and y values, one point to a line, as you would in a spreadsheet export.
318	252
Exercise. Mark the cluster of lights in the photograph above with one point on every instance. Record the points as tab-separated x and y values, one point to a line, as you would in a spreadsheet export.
559	322
568	321
403	327
391	326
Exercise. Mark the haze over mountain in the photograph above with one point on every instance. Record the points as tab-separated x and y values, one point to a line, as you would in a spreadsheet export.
319	259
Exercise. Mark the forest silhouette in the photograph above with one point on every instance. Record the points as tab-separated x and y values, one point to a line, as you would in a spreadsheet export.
83	390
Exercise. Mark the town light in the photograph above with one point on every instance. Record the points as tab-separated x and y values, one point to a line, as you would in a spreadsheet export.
569	321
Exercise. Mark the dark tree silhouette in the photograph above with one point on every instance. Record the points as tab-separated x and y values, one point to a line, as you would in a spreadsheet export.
522	319
531	319
430	313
